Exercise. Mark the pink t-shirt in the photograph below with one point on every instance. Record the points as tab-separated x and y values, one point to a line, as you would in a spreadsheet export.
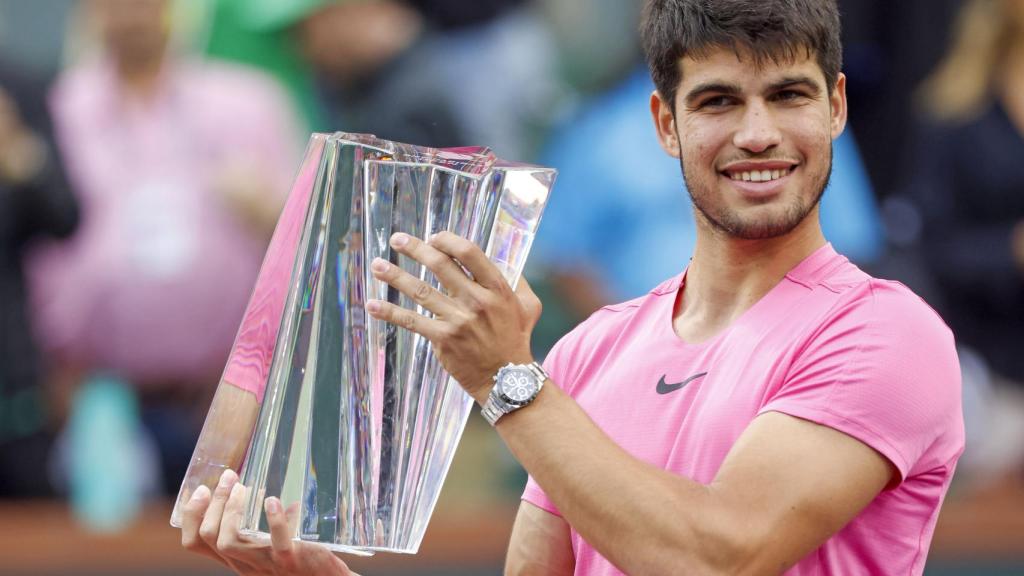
828	344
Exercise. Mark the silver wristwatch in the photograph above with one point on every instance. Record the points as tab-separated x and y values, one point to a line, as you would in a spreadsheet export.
515	386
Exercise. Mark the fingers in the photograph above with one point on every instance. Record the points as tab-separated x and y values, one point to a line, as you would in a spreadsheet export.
447	271
191	519
281	533
420	292
230	541
471	257
427	327
209	530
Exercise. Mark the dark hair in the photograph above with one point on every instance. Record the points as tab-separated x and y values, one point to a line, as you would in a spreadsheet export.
775	30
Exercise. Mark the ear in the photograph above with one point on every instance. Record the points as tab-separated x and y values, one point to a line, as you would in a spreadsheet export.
837	101
665	124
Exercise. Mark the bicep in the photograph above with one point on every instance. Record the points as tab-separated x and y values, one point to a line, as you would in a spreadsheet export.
792	484
540	544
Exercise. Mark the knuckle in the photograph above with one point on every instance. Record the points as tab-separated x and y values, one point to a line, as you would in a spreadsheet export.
463	249
476	307
489	300
283	558
463	322
227	544
421	292
534	305
446	333
408	320
208	535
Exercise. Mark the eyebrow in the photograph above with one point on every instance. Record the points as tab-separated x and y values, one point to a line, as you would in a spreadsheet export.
733	89
713	87
790	81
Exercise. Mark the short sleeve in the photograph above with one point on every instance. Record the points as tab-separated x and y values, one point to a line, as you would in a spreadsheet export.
884	370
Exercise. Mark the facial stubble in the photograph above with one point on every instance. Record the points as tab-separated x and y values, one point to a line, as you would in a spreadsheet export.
735	226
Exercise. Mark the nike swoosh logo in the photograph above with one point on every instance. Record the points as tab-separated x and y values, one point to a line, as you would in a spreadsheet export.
664	388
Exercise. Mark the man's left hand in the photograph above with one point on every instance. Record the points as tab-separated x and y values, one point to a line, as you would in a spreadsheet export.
478	322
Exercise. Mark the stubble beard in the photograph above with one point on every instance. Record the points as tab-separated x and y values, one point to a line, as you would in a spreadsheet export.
724	220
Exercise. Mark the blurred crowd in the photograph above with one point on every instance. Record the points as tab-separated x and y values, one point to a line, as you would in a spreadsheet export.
146	147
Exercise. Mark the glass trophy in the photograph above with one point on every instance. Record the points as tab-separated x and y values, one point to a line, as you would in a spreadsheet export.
352	422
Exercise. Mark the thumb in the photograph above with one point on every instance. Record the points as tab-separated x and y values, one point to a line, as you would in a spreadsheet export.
528	298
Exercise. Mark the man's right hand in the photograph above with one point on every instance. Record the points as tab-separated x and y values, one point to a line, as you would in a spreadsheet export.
210	527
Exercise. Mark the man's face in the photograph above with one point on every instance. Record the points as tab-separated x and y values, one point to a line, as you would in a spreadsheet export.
754	143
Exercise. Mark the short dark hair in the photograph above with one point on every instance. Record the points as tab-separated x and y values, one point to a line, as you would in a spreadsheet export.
775	30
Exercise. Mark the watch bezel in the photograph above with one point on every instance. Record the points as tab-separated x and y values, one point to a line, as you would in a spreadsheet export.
500	381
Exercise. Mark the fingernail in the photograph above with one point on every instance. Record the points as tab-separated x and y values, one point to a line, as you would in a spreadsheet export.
398	240
379	265
273	505
202	493
227	479
373	306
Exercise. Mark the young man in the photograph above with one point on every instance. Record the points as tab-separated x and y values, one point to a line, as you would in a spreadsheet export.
771	409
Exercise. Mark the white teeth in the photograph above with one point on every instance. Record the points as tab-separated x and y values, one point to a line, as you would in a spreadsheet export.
758	175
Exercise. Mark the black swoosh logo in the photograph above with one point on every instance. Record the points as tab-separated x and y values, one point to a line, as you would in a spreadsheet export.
664	388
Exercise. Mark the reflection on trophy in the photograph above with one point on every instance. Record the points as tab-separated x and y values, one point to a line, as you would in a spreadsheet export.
351	421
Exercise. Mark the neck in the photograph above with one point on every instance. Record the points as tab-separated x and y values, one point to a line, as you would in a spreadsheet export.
139	78
728	275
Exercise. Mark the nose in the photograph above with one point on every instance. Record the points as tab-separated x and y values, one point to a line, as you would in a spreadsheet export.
758	130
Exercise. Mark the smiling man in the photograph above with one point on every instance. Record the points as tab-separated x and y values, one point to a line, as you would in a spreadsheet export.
770	409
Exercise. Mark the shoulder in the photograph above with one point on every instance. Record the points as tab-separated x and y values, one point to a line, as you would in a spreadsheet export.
593	338
880	365
891	312
79	90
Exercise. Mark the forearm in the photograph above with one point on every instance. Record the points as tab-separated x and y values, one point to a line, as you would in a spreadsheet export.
643	519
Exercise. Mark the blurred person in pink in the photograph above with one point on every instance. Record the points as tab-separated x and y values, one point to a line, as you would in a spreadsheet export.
181	167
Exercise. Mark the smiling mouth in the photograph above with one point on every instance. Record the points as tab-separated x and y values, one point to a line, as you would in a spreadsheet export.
758	175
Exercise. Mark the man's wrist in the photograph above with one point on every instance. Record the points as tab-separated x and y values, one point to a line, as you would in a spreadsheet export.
515	387
481	392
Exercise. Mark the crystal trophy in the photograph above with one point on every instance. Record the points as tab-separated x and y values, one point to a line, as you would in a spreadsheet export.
352	422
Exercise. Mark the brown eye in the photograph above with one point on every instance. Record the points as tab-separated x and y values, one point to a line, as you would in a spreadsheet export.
788	95
716	102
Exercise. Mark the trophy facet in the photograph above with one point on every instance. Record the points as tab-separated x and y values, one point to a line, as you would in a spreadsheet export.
353	422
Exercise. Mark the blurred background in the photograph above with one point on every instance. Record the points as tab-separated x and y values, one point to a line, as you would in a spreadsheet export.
146	147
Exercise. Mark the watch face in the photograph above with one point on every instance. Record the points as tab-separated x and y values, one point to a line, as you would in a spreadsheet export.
517	385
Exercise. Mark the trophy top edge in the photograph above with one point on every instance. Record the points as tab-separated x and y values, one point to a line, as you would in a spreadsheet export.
473	157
